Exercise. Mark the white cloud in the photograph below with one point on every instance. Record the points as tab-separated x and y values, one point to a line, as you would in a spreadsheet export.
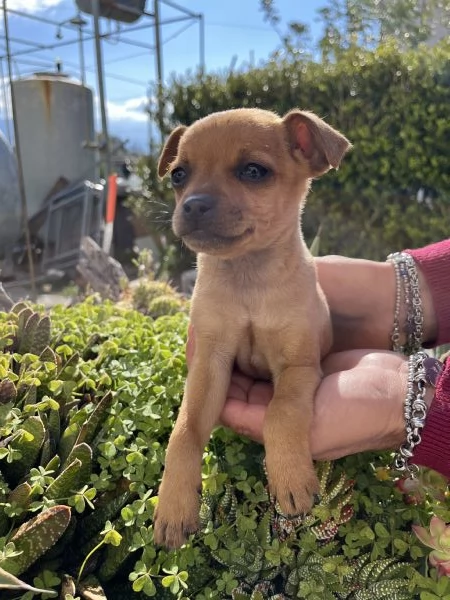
129	110
32	5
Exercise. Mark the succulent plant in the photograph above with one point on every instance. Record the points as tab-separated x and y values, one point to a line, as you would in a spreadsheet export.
85	414
261	591
35	537
383	579
46	449
165	305
437	537
148	290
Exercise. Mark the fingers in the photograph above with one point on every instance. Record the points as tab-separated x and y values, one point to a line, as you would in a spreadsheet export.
246	406
244	418
360	408
349	359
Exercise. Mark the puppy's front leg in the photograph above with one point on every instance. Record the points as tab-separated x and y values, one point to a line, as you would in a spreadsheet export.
291	473
177	514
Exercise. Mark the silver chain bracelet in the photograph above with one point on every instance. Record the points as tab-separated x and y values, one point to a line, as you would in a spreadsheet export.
422	370
407	286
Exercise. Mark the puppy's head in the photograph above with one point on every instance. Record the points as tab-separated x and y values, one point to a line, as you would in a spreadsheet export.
240	176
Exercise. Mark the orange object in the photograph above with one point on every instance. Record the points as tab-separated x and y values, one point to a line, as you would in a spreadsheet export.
111	198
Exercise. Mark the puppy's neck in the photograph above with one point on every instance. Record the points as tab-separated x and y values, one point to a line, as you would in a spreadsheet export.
279	260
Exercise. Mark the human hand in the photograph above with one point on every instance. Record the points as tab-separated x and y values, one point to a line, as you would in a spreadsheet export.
358	405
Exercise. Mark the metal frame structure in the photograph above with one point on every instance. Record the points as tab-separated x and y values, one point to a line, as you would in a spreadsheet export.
72	215
20	51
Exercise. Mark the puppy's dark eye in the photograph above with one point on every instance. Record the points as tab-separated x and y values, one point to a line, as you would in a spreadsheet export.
178	176
253	172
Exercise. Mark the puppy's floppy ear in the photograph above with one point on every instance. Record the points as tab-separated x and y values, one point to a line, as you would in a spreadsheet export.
170	150
321	145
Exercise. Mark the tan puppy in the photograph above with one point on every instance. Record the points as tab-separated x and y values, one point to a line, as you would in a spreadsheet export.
240	180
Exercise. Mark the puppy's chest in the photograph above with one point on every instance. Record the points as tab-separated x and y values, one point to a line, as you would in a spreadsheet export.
252	357
263	349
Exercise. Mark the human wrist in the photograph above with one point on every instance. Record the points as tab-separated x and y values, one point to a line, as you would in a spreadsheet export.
398	416
414	323
430	326
423	372
434	450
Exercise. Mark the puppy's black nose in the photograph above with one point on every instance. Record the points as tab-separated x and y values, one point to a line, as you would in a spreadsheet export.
195	207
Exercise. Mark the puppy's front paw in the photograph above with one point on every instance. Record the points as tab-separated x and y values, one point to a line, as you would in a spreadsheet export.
292	485
176	517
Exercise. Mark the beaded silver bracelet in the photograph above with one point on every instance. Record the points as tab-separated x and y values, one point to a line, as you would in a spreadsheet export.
407	287
422	370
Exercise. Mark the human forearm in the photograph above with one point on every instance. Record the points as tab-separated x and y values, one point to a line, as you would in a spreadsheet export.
361	296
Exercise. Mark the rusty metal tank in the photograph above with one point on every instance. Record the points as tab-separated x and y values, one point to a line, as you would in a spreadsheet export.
55	121
126	11
9	196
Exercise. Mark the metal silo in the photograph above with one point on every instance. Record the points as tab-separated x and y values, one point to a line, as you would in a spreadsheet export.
127	11
9	196
55	121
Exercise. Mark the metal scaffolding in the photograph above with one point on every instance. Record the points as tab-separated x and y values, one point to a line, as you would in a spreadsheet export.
20	56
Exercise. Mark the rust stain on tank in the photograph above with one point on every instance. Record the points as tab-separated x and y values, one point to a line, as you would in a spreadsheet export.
47	96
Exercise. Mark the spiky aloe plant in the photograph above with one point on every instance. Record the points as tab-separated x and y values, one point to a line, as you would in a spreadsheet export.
261	591
45	452
382	579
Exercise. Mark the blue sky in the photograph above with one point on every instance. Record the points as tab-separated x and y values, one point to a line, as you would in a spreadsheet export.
235	31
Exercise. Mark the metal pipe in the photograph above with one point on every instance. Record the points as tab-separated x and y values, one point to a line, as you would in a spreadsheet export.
49	64
90	35
202	44
101	84
180	8
23	199
177	33
81	54
36	45
34	17
105	149
66	24
75	41
159	71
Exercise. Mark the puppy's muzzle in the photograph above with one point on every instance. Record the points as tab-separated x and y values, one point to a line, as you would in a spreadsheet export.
198	213
207	223
199	208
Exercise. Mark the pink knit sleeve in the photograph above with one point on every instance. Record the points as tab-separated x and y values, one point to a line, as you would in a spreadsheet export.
434	261
434	449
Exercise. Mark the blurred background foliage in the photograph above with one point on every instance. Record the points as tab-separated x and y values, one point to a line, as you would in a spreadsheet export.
378	76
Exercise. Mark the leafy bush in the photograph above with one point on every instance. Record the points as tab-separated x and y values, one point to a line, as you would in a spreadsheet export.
87	402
